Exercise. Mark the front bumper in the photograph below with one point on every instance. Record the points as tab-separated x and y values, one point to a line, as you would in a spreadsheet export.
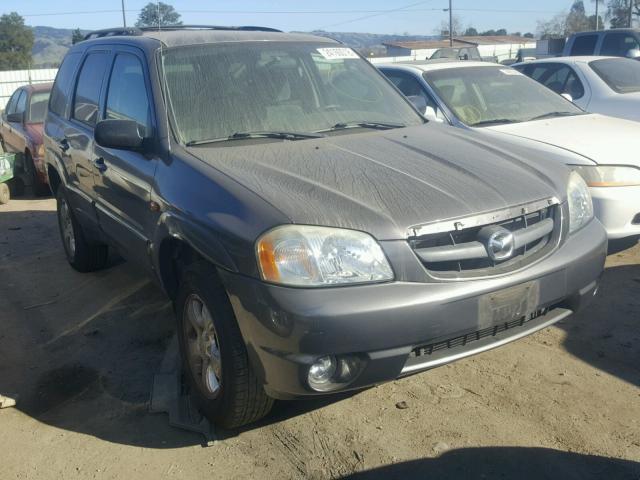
287	329
618	209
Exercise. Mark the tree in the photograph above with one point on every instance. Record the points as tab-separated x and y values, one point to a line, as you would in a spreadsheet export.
618	12
16	42
577	20
158	14
76	36
444	27
501	32
553	28
471	32
529	35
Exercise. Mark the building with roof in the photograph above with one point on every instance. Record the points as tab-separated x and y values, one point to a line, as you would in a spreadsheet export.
500	46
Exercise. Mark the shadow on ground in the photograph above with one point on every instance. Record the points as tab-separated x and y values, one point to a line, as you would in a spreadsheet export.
606	334
507	463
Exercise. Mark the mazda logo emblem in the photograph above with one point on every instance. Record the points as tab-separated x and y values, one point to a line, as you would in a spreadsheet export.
500	245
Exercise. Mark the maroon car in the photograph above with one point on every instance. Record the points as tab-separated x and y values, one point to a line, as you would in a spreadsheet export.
21	131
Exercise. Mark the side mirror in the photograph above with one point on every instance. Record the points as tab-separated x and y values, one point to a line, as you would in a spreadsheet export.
431	115
633	53
567	96
15	117
123	134
419	102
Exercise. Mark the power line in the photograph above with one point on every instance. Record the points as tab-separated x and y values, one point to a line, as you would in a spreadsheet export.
385	12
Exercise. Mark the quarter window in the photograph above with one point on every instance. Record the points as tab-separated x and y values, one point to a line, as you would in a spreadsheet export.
584	45
127	97
87	96
60	91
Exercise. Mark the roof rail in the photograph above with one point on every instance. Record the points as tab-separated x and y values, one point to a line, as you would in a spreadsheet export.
244	28
113	32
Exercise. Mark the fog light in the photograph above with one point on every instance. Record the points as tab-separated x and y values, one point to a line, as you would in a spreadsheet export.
321	372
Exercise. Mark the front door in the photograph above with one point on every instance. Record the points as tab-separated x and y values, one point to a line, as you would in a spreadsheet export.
124	177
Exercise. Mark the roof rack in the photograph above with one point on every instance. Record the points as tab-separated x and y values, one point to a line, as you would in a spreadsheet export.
137	31
113	32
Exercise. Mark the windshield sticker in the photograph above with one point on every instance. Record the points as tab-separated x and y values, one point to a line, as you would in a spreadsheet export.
337	53
510	71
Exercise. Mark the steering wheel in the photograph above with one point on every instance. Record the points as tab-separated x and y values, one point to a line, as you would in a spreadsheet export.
469	114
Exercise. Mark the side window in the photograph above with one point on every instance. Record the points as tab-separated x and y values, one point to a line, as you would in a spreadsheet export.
127	97
573	86
21	105
618	44
60	92
87	95
584	45
11	106
559	78
409	86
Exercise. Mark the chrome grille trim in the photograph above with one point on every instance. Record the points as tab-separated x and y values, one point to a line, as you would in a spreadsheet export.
481	219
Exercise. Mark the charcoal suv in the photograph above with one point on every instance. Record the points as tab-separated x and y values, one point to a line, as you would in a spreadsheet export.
314	233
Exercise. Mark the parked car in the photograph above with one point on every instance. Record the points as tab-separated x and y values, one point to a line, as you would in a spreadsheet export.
523	55
504	103
462	53
314	235
21	127
619	42
606	85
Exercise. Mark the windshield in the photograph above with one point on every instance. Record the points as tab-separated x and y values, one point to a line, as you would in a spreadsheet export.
38	107
483	96
216	91
621	74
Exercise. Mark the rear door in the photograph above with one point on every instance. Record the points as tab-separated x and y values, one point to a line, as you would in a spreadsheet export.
124	177
77	131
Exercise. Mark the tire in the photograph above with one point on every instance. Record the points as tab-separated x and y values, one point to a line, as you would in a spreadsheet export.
5	194
81	255
240	398
39	189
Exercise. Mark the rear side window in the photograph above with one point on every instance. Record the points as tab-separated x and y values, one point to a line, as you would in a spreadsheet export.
127	97
619	44
87	96
584	45
60	91
11	106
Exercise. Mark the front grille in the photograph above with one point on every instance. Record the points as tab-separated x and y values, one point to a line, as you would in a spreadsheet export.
460	252
469	338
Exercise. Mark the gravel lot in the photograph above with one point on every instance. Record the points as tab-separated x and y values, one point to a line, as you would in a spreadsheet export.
81	352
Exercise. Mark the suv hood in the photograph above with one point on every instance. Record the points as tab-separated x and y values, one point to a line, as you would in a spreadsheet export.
602	139
386	182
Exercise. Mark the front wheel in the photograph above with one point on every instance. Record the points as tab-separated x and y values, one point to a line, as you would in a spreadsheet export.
215	361
81	255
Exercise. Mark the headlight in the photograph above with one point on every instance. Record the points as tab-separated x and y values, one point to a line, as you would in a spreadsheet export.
609	176
580	204
310	256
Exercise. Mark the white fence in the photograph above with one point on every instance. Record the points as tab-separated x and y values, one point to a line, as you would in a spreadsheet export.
13	79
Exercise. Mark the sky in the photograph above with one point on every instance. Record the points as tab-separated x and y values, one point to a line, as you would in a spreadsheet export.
374	16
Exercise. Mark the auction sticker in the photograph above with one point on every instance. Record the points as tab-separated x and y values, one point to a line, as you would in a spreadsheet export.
337	53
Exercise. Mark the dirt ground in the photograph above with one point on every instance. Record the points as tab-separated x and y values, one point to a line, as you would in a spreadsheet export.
81	352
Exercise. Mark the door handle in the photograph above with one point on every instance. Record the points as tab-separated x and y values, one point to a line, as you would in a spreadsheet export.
63	144
100	165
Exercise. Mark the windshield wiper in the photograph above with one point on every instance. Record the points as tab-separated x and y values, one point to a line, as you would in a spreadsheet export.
494	121
374	125
250	135
552	115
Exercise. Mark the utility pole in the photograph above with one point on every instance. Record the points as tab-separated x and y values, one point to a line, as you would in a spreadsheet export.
451	23
124	18
630	13
597	18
